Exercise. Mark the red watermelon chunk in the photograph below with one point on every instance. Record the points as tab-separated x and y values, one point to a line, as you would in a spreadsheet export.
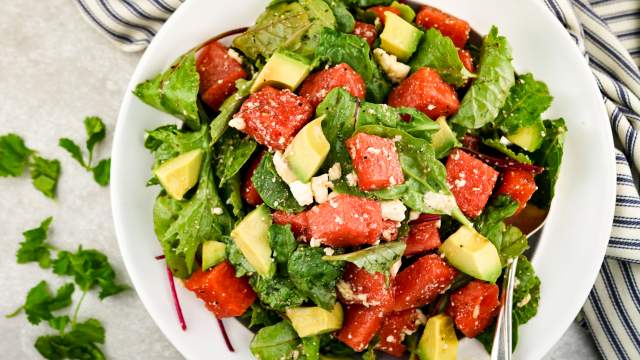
223	293
519	184
449	25
471	181
360	325
346	220
316	87
380	10
395	328
272	117
299	222
375	161
426	91
249	192
423	236
365	31
421	282
218	74
474	306
358	286
467	60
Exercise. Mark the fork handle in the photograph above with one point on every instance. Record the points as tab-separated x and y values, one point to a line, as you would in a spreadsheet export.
502	343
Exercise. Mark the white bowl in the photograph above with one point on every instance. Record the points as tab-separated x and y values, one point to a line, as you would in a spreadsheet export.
575	237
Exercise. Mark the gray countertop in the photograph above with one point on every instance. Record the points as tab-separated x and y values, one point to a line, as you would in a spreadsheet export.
55	70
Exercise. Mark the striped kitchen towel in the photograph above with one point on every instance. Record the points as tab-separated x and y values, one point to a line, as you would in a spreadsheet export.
608	33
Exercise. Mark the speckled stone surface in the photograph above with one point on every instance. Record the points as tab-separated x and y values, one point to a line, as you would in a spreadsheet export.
55	70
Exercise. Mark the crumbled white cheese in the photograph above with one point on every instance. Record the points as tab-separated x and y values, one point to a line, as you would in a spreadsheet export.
414	215
302	192
396	71
344	288
335	172
390	339
387	234
393	210
237	123
504	141
525	300
315	242
328	251
216	211
320	186
352	179
440	202
234	55
282	168
395	267
476	311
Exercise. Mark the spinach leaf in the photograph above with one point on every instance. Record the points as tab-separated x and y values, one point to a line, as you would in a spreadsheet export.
314	276
437	51
288	26
311	347
335	48
497	145
373	259
79	343
489	91
165	212
277	292
40	303
344	20
420	126
275	342
527	100
526	295
260	316
34	246
233	151
14	155
175	91
549	155
282	242
228	108
272	189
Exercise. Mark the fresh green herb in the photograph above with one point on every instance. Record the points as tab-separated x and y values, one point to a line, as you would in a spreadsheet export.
488	93
167	142
437	51
277	292
165	212
79	343
175	91
272	189
45	174
311	347
228	108
275	342
34	247
497	145
40	303
527	100
96	131
549	155
282	242
373	259
344	20
420	125
313	276
335	48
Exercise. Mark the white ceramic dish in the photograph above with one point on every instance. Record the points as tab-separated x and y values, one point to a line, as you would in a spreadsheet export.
572	245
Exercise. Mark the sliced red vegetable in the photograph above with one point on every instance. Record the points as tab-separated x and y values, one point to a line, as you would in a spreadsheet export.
506	162
159	257
176	301
224	335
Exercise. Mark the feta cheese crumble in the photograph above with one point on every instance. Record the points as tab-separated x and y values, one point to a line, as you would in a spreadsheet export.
216	211
396	70
302	192
393	210
237	123
440	202
234	55
335	172
352	179
320	186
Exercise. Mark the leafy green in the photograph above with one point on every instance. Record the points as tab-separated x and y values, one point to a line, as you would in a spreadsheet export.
272	189
175	91
438	52
335	48
14	155
420	126
89	268
45	174
165	212
96	131
260	316
488	93
344	20
167	142
102	171
526	295
313	276
288	26
40	303
370	354
496	144
79	343
277	292
275	342
231	194
33	247
508	239
228	108
527	100
373	259
282	242
311	347
549	155
233	151
237	259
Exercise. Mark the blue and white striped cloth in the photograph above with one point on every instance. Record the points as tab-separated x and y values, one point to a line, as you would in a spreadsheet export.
608	33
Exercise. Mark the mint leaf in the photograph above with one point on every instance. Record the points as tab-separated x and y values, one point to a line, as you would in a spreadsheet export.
373	259
438	52
14	155
102	171
96	132
488	93
527	100
89	268
34	246
40	303
314	276
45	174
275	342
73	149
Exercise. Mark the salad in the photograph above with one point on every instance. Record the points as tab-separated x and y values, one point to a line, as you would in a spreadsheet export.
347	178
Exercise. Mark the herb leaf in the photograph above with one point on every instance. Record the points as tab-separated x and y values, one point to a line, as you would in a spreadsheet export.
497	145
73	149
45	174
40	303
272	189
527	100
96	132
228	108
314	276
89	268
14	155
34	247
526	295
373	259
420	126
102	171
234	151
79	343
344	20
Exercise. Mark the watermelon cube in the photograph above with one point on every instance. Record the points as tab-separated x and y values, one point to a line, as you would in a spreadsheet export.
299	222
218	74
519	185
360	325
426	91
423	236
474	307
449	25
471	181
358	286
396	327
375	160
421	282
316	87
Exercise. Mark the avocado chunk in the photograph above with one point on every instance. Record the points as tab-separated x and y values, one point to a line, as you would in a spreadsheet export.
308	321
399	37
473	254
251	236
180	174
307	150
438	341
283	70
444	139
213	253
529	138
406	11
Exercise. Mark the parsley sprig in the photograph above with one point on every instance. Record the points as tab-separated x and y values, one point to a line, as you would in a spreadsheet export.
96	132
90	269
